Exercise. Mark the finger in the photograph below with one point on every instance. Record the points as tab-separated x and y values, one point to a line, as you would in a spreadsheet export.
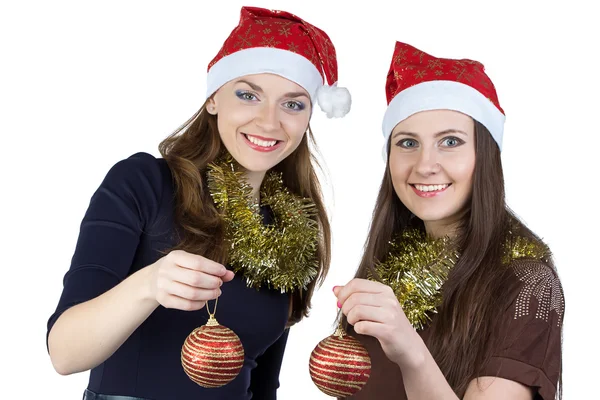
366	313
195	278
228	276
360	285
178	303
192	293
365	299
369	328
336	290
198	263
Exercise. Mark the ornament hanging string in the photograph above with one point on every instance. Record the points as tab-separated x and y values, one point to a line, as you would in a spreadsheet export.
212	321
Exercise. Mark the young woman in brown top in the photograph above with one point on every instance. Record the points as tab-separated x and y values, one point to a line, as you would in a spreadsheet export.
492	327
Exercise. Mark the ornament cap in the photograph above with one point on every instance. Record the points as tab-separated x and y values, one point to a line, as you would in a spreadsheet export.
212	321
339	332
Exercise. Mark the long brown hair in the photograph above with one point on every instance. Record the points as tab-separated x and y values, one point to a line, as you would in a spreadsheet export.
189	150
475	292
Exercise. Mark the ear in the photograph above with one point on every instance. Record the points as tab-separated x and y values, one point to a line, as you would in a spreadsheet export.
211	106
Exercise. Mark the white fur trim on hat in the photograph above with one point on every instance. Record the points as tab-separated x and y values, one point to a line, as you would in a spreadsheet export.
444	95
258	60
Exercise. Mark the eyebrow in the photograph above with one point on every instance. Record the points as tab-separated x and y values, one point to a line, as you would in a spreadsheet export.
441	133
259	89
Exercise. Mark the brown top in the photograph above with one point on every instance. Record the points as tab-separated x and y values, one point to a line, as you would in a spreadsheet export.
530	353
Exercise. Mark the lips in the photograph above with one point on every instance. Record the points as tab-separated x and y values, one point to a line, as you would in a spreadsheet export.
428	191
431	188
260	143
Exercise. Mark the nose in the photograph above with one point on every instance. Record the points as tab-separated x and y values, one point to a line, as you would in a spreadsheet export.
268	118
427	163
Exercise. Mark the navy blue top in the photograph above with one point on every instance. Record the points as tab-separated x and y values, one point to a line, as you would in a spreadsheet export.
128	222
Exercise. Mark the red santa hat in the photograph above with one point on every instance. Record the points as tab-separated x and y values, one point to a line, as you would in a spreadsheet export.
278	42
417	81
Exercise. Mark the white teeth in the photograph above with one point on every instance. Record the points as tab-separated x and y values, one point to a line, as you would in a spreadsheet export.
263	143
431	188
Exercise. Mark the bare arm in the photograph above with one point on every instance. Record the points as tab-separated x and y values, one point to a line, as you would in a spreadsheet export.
87	334
424	380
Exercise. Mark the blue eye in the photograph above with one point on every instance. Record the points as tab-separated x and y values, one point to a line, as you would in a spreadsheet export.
295	105
245	95
407	143
452	141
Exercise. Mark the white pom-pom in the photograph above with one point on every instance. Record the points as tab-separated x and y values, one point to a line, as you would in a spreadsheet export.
334	100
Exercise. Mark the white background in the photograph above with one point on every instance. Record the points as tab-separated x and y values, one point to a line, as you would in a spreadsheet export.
86	84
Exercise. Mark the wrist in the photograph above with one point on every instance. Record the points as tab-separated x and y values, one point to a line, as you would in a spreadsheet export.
144	283
416	357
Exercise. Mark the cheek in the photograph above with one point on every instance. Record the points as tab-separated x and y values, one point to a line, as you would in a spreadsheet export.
295	126
463	170
400	167
227	133
461	173
400	170
230	119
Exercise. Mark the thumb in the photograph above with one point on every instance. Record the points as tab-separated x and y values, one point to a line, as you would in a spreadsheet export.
228	276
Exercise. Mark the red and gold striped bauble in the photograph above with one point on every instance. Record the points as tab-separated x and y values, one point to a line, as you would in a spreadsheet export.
340	365
212	355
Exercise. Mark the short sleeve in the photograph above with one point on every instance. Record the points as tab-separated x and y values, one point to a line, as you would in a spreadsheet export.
119	210
530	342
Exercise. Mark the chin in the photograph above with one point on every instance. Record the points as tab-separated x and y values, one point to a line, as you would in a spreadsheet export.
256	164
432	218
433	215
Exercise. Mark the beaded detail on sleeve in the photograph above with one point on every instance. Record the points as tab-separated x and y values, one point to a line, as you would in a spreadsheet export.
542	283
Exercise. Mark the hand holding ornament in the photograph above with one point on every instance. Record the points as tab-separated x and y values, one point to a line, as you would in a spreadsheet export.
212	355
373	309
185	281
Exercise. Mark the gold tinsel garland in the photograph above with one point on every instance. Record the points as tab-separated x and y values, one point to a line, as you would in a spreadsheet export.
519	247
417	267
281	255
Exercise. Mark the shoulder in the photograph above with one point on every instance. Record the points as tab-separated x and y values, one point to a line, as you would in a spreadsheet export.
539	293
140	172
140	181
138	165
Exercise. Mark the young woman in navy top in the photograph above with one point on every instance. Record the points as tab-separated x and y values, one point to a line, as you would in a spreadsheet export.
154	246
